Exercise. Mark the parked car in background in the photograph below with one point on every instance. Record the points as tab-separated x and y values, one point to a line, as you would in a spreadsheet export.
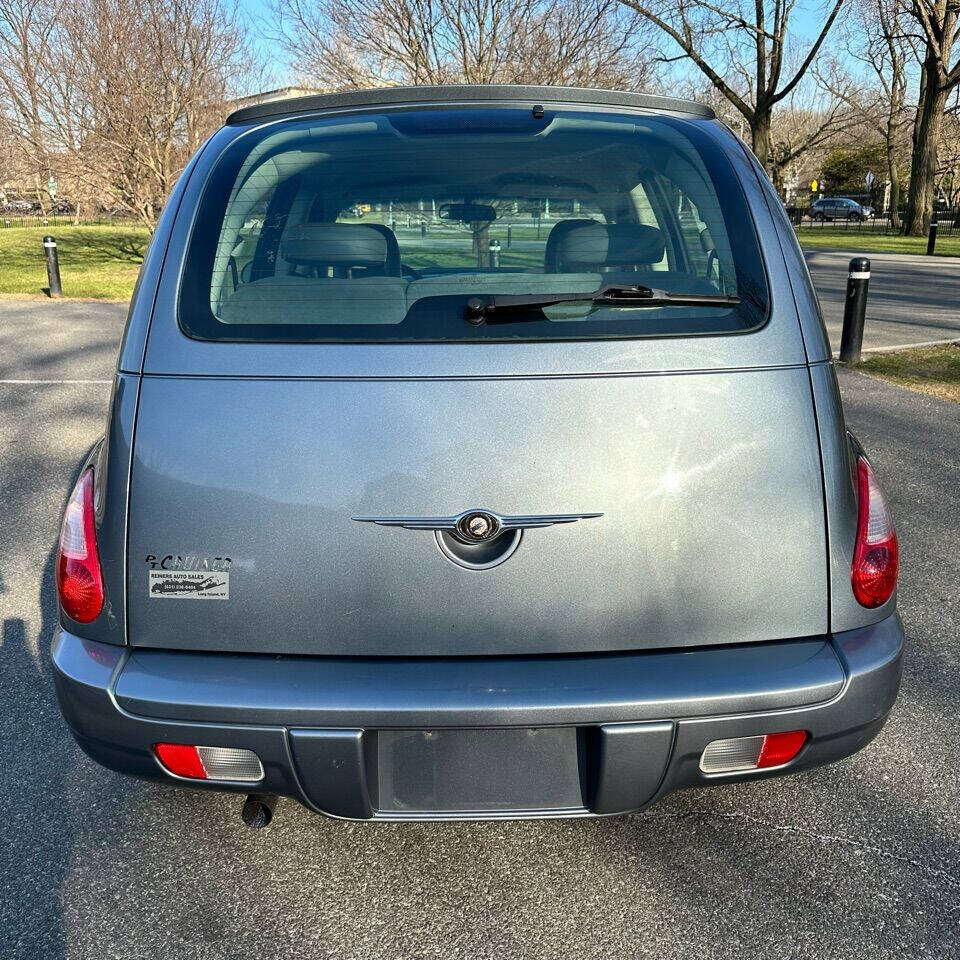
840	208
18	206
438	526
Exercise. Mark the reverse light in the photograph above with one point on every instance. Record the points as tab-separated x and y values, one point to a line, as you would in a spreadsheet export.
209	763
876	556
739	754
79	581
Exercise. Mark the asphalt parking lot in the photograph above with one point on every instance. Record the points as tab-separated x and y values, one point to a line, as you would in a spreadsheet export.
859	860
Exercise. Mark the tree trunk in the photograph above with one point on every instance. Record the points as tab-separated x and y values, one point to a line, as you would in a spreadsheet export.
894	177
776	175
926	140
760	132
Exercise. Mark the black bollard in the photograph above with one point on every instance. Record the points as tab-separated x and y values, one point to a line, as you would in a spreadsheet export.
932	235
509	237
53	266
855	311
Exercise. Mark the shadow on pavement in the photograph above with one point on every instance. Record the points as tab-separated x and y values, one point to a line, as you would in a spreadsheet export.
40	814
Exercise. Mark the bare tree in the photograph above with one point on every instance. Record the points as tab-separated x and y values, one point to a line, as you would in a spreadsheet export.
889	52
949	165
114	95
939	22
152	77
880	42
27	41
743	48
804	124
362	43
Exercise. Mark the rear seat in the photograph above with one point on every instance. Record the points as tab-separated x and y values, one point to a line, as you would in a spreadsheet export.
295	299
621	253
365	287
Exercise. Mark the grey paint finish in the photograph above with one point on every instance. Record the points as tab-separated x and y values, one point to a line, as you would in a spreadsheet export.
111	491
709	485
144	293
467	93
110	460
808	306
839	453
513	691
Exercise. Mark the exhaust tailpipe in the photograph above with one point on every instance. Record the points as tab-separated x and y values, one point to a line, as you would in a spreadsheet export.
257	810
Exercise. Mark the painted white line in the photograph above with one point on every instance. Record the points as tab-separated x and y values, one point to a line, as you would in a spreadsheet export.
56	381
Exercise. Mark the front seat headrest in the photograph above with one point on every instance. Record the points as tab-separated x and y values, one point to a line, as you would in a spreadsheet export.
551	253
335	245
393	267
588	246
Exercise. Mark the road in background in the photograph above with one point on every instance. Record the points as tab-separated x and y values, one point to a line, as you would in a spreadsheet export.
855	860
911	299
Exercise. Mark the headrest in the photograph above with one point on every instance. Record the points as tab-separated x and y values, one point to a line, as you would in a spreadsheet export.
334	244
589	246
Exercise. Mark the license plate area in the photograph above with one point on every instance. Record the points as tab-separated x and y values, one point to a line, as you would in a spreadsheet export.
476	771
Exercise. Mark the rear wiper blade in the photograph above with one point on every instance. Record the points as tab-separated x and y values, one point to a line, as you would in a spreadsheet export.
498	308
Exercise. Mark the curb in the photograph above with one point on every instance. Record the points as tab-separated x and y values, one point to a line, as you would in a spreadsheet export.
906	346
885	256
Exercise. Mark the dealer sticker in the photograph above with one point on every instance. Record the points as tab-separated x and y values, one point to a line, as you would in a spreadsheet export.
190	584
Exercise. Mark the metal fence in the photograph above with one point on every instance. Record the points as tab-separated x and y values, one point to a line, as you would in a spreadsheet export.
881	223
11	220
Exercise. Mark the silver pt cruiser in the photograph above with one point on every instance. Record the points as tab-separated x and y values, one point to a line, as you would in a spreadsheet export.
474	452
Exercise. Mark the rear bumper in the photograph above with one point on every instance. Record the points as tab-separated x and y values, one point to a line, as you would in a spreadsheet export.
323	727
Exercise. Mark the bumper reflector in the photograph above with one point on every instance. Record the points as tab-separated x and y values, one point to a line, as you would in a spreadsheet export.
209	763
781	748
752	753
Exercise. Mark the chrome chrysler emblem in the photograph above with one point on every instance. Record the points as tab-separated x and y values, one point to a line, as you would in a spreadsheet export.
478	526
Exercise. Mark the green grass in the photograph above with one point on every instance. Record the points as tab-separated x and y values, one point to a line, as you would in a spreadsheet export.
865	241
424	258
934	370
97	262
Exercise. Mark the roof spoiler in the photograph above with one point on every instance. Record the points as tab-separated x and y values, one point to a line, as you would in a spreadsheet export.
463	93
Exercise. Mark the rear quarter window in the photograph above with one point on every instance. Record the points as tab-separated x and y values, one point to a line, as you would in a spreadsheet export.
382	226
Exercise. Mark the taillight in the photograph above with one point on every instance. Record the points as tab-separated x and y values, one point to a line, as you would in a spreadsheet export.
876	556
79	583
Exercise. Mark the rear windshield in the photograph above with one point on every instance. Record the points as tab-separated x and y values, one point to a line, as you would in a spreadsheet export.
408	225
